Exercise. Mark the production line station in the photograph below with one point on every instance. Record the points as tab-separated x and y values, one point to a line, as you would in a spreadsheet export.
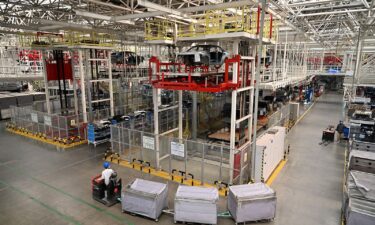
145	112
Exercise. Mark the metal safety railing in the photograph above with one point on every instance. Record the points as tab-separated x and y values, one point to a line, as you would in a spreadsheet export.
280	117
159	30
68	38
242	19
199	160
19	72
20	63
89	39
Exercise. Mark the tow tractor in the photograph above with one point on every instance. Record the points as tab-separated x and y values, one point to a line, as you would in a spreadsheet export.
113	190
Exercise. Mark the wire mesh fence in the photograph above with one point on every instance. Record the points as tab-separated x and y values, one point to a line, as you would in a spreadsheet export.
198	160
50	126
280	117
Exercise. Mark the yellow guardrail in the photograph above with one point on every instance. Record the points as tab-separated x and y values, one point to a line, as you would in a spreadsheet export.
69	38
159	30
89	39
242	19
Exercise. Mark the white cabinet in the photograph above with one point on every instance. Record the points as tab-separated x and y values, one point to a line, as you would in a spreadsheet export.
269	152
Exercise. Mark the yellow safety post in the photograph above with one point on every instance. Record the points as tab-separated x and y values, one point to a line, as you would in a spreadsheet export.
176	177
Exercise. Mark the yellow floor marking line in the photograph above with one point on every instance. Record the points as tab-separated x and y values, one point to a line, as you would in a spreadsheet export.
304	114
163	174
282	163
276	172
47	141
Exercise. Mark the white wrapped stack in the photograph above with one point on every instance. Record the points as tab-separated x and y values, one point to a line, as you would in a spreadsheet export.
360	212
359	198
196	204
251	202
146	198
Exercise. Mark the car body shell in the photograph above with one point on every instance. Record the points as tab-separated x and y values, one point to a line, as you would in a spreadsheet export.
203	55
127	57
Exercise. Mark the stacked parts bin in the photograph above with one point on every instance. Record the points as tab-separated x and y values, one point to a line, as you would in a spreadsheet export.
145	198
362	161
97	135
251	202
363	146
196	204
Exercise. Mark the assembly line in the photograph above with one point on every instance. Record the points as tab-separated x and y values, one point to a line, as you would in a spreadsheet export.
184	111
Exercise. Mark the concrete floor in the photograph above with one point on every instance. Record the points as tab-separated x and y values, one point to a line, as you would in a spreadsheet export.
39	185
309	188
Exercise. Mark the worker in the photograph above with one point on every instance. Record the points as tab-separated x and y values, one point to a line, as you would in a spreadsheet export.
106	176
340	130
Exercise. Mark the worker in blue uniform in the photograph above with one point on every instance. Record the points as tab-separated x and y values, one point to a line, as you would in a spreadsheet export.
340	130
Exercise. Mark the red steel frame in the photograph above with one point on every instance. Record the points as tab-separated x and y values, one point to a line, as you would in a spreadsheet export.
258	23
271	22
206	83
258	20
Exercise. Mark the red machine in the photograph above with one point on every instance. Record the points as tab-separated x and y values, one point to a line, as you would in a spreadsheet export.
59	67
177	76
53	70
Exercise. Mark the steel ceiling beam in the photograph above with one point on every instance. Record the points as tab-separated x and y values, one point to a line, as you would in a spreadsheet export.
65	24
101	17
92	15
139	15
161	8
342	6
187	10
365	3
306	3
109	5
332	12
224	5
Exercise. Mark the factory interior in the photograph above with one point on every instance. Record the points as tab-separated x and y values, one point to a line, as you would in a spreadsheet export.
144	112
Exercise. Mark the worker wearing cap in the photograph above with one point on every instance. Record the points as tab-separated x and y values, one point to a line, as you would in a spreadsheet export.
106	175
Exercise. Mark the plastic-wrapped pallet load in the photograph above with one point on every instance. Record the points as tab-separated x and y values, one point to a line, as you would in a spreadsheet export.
359	198
196	204
360	212
361	185
251	202
146	198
